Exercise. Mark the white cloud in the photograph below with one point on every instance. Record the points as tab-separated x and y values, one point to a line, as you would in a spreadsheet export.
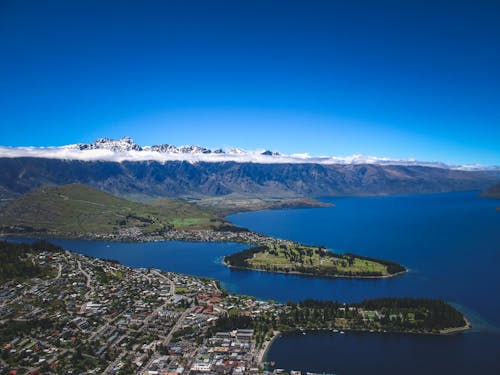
72	152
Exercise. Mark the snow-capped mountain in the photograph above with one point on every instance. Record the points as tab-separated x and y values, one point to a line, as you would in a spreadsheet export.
123	167
116	145
125	149
126	144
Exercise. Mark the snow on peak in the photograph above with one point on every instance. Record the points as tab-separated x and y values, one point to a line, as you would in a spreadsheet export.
125	149
115	145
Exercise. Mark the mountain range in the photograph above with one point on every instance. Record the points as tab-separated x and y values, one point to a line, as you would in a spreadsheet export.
122	167
125	149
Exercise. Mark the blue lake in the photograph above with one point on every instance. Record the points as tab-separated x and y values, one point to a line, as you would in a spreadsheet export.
450	242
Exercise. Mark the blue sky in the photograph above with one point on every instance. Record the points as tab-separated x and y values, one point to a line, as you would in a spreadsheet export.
388	78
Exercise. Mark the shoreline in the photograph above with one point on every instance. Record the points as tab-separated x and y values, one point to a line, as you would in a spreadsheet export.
109	239
247	237
451	331
251	238
263	351
232	239
320	276
238	206
444	332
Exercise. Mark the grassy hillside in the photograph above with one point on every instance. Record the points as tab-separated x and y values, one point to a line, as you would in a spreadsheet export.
71	209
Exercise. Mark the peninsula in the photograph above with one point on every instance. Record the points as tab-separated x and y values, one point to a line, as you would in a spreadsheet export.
291	257
79	211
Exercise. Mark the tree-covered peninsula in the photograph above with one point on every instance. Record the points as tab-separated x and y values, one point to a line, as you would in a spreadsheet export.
290	257
404	315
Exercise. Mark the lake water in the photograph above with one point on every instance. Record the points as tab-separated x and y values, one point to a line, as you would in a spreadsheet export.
450	242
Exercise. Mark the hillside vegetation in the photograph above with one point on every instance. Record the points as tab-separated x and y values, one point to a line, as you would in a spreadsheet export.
76	209
416	315
15	262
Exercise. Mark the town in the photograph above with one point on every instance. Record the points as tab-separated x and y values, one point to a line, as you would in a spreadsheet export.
82	315
95	316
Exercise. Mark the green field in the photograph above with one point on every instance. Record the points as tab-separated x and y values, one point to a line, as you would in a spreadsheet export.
189	221
71	209
311	260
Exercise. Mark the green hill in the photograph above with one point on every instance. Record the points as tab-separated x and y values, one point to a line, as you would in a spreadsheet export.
77	210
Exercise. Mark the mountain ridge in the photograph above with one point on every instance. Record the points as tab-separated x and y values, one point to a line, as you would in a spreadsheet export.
150	179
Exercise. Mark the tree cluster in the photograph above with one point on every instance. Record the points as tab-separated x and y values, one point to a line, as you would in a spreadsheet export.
14	262
392	267
239	259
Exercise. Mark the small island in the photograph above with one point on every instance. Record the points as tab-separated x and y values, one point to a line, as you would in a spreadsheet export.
291	257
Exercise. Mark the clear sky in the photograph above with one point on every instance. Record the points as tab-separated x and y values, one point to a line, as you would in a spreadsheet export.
386	78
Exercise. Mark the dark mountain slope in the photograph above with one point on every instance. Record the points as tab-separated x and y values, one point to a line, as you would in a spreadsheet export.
184	179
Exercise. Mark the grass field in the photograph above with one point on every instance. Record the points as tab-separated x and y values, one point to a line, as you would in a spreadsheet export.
81	209
189	221
316	260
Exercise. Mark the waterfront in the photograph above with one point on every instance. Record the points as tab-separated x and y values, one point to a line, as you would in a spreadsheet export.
450	242
372	353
